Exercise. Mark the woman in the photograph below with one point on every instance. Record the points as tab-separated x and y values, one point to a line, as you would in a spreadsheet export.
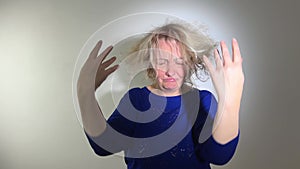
200	130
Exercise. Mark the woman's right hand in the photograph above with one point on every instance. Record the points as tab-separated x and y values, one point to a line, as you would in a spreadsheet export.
95	71
92	75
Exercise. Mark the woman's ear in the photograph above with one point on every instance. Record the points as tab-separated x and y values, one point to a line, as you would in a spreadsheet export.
151	73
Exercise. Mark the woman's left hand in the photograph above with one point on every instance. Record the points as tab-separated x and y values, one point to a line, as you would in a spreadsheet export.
227	75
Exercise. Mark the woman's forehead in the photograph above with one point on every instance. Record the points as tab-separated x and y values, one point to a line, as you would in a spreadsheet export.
169	47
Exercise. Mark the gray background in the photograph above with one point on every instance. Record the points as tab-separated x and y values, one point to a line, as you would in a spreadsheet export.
39	45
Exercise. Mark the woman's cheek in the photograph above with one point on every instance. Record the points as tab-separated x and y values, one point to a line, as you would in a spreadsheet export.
160	73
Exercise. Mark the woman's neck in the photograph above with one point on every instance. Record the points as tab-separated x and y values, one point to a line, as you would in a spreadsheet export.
154	88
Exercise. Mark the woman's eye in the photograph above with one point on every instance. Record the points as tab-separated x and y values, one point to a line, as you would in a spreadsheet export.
161	62
179	61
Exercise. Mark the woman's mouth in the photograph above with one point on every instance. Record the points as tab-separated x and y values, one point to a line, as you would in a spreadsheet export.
169	80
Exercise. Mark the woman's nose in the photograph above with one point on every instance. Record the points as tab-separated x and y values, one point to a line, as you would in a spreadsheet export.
170	70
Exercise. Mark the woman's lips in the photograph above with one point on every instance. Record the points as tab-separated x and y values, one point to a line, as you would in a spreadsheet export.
169	80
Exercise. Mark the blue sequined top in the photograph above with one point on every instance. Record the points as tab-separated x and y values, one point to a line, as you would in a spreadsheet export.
157	132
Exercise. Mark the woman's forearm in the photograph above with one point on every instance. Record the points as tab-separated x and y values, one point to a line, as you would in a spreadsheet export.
92	75
93	120
226	123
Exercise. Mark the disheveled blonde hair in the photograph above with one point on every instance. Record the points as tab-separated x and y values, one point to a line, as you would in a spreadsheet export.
193	41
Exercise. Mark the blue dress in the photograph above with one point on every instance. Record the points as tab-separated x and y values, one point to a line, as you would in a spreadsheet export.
157	132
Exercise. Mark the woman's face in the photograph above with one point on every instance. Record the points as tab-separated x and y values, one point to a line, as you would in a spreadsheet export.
169	66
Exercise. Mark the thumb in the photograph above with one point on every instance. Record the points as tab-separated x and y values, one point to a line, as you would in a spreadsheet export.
208	64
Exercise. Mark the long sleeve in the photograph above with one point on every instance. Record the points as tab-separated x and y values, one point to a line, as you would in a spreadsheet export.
97	149
110	141
217	153
206	147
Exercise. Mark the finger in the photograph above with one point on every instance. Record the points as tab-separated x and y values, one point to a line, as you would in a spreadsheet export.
225	53
208	64
219	62
236	54
96	49
103	66
111	70
103	55
108	62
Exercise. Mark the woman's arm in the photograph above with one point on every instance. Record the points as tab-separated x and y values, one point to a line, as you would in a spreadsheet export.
92	75
207	148
228	79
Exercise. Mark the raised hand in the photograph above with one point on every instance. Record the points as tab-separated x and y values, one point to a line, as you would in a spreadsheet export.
228	80
94	71
92	75
227	75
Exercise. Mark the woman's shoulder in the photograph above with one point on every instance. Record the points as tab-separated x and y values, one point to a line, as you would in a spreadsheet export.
205	93
202	92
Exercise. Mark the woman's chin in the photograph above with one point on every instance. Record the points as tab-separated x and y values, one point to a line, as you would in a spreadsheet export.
171	88
170	85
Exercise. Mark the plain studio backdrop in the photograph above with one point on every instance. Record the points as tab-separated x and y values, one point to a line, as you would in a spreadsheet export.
39	45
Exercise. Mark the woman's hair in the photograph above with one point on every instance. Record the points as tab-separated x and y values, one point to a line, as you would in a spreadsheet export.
193	41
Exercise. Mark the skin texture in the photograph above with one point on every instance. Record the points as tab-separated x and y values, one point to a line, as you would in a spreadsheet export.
228	80
170	69
227	77
92	75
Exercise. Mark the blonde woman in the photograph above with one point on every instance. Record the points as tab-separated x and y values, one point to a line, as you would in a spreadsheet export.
168	124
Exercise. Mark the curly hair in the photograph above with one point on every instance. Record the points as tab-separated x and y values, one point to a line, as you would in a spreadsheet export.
193	41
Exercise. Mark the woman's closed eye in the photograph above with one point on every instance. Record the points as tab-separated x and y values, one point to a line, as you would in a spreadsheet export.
179	61
162	61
